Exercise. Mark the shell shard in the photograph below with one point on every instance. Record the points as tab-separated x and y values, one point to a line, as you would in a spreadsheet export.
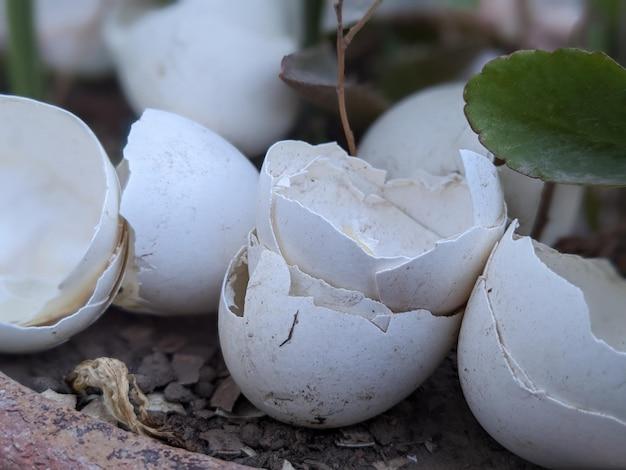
399	241
542	356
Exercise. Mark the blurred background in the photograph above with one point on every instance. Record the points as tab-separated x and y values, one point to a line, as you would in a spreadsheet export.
257	71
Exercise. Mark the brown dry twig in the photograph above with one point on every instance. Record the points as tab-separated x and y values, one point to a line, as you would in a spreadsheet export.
343	41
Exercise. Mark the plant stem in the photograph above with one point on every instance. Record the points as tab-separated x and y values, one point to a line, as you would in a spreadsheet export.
24	68
342	44
543	211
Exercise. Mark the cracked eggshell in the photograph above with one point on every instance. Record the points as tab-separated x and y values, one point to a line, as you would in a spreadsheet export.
399	241
542	356
309	354
69	34
214	62
189	198
424	132
18	339
60	230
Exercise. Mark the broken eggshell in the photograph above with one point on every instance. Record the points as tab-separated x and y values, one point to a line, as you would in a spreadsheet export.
424	131
212	61
189	198
69	35
309	354
63	245
542	356
400	241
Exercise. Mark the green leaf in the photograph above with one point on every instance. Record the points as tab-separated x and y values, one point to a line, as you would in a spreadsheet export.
559	116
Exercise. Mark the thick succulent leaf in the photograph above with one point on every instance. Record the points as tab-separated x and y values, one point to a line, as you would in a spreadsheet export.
313	74
559	116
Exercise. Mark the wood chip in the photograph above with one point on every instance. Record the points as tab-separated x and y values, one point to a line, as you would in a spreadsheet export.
225	395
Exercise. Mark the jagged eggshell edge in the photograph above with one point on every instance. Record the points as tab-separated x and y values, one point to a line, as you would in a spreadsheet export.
541	415
17	339
314	366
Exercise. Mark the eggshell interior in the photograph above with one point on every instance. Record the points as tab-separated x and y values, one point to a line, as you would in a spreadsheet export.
284	337
399	241
16	339
542	359
424	132
59	201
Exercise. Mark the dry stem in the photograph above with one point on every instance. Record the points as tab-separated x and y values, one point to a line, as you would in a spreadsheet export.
343	41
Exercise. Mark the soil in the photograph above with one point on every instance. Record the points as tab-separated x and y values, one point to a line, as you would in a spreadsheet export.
180	357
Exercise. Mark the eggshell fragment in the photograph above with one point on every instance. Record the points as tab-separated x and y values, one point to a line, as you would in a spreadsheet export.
69	35
542	356
212	61
309	354
189	199
399	241
424	132
18	339
59	213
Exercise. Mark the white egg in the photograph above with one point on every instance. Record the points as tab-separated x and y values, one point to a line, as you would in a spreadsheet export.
425	131
189	198
542	356
410	243
214	62
69	34
314	355
62	244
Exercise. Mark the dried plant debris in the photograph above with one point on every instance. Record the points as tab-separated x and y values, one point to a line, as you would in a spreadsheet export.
112	378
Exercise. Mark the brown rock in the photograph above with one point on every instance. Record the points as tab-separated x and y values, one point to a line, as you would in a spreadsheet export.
187	368
37	433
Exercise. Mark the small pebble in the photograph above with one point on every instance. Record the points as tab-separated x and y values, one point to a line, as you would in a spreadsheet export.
207	374
204	389
199	404
39	384
251	434
156	371
178	393
187	368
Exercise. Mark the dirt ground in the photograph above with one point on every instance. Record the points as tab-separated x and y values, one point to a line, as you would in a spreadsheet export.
180	358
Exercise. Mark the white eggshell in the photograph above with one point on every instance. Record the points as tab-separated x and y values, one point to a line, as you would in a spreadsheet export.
69	34
189	199
309	354
425	131
214	62
59	212
542	356
400	241
16	339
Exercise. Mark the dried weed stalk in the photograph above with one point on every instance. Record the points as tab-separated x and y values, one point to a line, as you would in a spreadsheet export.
343	41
